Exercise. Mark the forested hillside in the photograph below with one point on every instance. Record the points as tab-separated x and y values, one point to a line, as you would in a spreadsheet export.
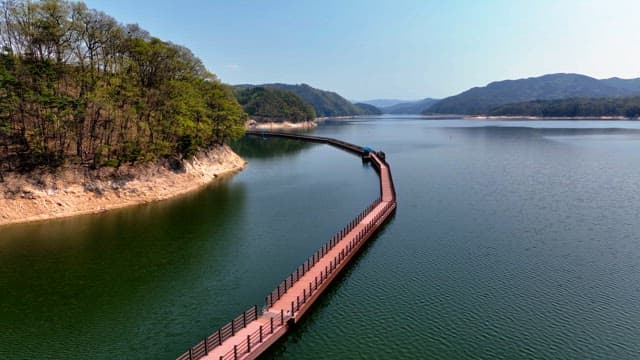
367	109
582	107
77	86
324	103
481	100
267	104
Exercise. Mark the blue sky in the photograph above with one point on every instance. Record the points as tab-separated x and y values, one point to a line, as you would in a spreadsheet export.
365	49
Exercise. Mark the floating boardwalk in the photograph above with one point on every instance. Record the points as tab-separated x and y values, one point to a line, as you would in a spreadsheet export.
253	331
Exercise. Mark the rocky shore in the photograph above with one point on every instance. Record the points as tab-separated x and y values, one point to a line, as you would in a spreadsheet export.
74	191
279	125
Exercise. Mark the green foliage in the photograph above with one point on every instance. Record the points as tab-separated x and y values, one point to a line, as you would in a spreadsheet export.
77	86
578	107
265	104
324	103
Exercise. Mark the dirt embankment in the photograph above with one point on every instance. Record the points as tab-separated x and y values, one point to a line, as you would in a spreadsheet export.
75	191
279	125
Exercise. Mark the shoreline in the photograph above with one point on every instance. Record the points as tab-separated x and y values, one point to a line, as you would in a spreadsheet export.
551	118
280	125
324	118
73	191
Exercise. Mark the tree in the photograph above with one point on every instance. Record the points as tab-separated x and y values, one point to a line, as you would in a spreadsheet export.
77	86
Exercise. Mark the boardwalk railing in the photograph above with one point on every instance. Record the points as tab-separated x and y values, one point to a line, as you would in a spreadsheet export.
353	244
217	338
301	270
271	322
258	336
255	338
318	139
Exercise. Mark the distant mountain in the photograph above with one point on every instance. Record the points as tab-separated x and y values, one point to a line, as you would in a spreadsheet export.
577	107
629	84
480	100
367	109
380	103
409	107
266	104
325	103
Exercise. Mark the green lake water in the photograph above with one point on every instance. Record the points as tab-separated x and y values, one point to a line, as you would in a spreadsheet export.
512	240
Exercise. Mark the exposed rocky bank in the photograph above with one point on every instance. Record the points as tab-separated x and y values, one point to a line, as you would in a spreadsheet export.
75	190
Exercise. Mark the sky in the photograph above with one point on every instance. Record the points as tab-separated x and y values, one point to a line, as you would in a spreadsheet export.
370	49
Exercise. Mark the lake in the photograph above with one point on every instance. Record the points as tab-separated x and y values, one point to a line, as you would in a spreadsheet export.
512	239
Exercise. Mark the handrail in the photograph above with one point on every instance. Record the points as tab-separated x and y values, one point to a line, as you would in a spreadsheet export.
301	270
319	139
223	333
245	345
368	228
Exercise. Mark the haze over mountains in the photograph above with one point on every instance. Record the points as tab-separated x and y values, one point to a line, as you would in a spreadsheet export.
382	103
574	90
408	107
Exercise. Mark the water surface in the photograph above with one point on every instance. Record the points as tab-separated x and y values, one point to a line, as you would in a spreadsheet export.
513	239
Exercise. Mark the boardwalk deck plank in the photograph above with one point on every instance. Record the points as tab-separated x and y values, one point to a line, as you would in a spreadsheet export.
300	291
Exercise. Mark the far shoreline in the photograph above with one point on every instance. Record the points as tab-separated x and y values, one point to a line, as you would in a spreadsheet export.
483	117
550	118
280	125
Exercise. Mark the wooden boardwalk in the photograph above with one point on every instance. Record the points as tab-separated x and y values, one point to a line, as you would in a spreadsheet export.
254	331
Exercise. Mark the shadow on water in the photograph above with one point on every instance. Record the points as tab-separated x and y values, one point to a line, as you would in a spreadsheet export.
251	147
308	322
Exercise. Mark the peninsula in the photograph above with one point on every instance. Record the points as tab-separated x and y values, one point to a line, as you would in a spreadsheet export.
96	115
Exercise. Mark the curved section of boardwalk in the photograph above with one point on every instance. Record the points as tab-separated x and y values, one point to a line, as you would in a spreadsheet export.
252	332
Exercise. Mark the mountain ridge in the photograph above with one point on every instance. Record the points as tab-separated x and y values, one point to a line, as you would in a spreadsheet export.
410	107
274	105
481	100
381	103
325	103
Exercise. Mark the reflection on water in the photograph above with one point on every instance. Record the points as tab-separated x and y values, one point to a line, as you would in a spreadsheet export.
75	280
151	280
267	148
